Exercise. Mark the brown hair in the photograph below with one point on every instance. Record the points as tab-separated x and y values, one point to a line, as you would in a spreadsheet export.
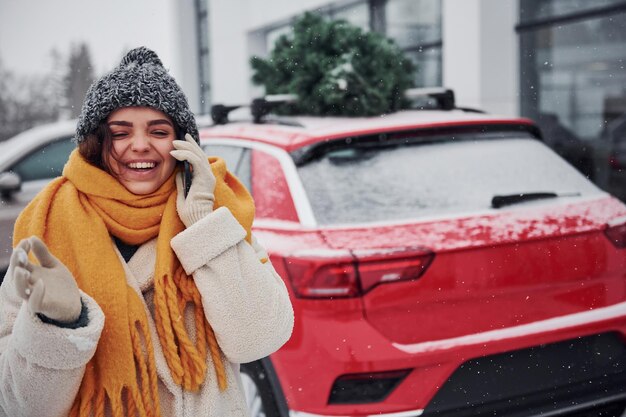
97	144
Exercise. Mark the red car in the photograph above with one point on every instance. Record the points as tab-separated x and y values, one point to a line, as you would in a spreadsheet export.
440	263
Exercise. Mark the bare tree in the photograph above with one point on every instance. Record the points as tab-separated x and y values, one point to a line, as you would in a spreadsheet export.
5	103
26	101
78	78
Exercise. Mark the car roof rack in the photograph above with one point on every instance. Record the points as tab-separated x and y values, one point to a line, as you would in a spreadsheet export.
262	106
259	108
220	112
444	97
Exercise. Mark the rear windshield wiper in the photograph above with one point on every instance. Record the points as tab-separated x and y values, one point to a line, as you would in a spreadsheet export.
506	200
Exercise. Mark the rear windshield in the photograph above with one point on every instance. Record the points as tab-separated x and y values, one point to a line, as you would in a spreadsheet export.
370	184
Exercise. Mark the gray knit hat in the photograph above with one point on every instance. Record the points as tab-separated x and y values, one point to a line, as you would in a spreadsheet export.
139	80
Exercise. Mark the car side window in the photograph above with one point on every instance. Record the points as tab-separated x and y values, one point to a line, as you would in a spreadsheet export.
243	170
272	197
237	160
45	162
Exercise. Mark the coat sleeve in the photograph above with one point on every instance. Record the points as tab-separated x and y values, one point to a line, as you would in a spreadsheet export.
41	365
244	299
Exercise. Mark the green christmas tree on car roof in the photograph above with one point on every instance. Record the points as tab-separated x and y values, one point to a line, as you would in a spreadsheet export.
335	69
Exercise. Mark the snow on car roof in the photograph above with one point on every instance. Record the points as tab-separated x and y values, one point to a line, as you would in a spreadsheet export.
15	147
294	132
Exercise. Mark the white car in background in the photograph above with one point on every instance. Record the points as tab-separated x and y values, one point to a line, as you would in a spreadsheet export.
29	161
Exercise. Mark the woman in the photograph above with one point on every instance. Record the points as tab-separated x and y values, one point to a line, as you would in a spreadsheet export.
123	296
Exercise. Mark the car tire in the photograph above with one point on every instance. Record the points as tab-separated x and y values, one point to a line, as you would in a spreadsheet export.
260	396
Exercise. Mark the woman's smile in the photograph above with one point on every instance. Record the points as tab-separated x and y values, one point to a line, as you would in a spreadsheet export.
139	169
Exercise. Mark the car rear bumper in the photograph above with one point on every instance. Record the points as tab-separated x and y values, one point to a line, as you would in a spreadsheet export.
576	374
353	347
610	406
412	413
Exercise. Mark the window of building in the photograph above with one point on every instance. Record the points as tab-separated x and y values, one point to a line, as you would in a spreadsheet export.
272	35
573	83
355	12
574	69
415	25
358	14
531	11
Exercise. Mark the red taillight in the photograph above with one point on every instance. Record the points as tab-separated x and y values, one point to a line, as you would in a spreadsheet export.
339	274
406	268
614	162
328	276
616	232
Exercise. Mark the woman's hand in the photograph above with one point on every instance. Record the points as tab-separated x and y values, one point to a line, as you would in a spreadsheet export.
199	201
48	288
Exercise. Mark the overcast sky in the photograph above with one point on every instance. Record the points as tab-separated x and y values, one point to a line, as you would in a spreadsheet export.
30	29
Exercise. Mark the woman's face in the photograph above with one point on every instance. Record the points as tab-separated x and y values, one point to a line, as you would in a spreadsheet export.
141	144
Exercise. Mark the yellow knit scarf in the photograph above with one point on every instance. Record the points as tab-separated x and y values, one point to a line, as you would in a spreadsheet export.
75	216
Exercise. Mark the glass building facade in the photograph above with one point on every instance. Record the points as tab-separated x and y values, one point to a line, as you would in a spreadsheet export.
573	82
415	25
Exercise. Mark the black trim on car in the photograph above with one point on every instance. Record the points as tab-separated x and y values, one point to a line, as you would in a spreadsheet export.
576	377
306	154
279	395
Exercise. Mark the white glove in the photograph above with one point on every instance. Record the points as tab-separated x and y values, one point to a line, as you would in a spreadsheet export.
199	201
48	288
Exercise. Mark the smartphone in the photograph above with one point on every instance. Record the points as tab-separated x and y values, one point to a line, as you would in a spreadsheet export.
186	177
180	135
